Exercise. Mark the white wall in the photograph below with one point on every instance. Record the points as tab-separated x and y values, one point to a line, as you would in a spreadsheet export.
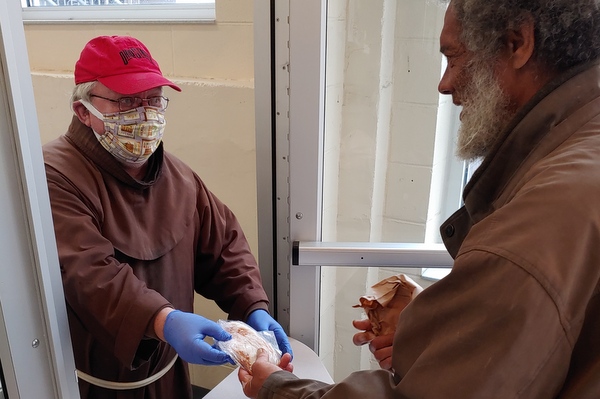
210	123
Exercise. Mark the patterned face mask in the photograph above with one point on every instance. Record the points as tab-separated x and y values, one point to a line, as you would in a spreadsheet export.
130	136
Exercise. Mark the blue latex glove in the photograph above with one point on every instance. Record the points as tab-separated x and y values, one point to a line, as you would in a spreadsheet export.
261	320
185	332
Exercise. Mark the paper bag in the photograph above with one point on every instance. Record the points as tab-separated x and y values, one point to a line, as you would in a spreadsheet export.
390	297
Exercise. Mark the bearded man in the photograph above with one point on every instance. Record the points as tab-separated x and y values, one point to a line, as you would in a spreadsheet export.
518	315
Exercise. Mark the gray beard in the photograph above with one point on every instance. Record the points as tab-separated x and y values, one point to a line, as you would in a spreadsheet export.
485	113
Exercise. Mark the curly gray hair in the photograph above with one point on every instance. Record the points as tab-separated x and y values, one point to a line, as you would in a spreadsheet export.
567	32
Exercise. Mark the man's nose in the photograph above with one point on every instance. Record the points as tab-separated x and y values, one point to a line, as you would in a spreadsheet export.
444	87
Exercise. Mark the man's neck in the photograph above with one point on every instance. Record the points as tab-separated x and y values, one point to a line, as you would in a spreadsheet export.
138	172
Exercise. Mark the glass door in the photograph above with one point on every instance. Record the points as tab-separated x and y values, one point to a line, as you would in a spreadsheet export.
389	174
364	166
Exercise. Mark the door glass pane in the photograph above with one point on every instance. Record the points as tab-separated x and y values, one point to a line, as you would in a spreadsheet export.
390	174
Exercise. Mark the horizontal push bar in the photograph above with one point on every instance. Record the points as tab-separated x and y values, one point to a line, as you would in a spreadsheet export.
305	253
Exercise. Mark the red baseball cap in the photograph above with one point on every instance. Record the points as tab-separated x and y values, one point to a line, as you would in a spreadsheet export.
121	63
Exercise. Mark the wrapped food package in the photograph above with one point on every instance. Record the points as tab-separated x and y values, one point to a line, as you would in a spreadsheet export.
245	342
390	296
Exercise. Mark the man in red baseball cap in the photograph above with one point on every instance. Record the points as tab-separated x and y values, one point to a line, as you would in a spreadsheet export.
138	233
121	63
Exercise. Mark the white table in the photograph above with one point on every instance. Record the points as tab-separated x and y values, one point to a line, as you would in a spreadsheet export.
306	365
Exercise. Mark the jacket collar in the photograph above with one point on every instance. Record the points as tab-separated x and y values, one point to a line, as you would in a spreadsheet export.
527	137
537	129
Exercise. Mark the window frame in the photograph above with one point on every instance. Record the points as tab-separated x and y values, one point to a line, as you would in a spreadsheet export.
158	13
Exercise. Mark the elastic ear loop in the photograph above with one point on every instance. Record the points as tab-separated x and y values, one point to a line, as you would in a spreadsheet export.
92	109
94	112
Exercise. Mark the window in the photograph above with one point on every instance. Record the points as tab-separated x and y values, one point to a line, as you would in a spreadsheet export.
76	11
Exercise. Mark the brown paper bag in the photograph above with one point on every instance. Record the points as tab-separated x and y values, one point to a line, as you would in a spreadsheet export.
390	297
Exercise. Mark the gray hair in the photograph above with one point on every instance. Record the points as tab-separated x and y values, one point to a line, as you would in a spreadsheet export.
567	32
82	92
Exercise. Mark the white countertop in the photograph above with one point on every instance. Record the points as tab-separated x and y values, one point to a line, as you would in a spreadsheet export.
306	365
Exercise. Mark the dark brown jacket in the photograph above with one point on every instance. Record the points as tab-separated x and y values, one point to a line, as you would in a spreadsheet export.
519	315
128	248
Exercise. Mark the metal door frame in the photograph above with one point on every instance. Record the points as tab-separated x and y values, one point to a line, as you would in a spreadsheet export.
35	345
290	53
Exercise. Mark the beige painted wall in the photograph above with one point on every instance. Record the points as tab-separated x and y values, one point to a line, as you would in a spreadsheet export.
210	123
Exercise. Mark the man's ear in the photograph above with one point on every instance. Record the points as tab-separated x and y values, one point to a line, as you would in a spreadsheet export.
82	113
521	43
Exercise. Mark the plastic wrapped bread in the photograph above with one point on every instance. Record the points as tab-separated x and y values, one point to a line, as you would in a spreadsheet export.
390	296
245	342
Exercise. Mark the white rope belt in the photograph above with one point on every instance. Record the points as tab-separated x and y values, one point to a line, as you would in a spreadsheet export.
125	385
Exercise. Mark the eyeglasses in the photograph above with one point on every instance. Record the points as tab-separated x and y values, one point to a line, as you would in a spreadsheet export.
127	103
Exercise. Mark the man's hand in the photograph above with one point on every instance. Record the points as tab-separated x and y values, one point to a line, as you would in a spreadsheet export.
261	320
380	347
366	335
186	332
253	381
